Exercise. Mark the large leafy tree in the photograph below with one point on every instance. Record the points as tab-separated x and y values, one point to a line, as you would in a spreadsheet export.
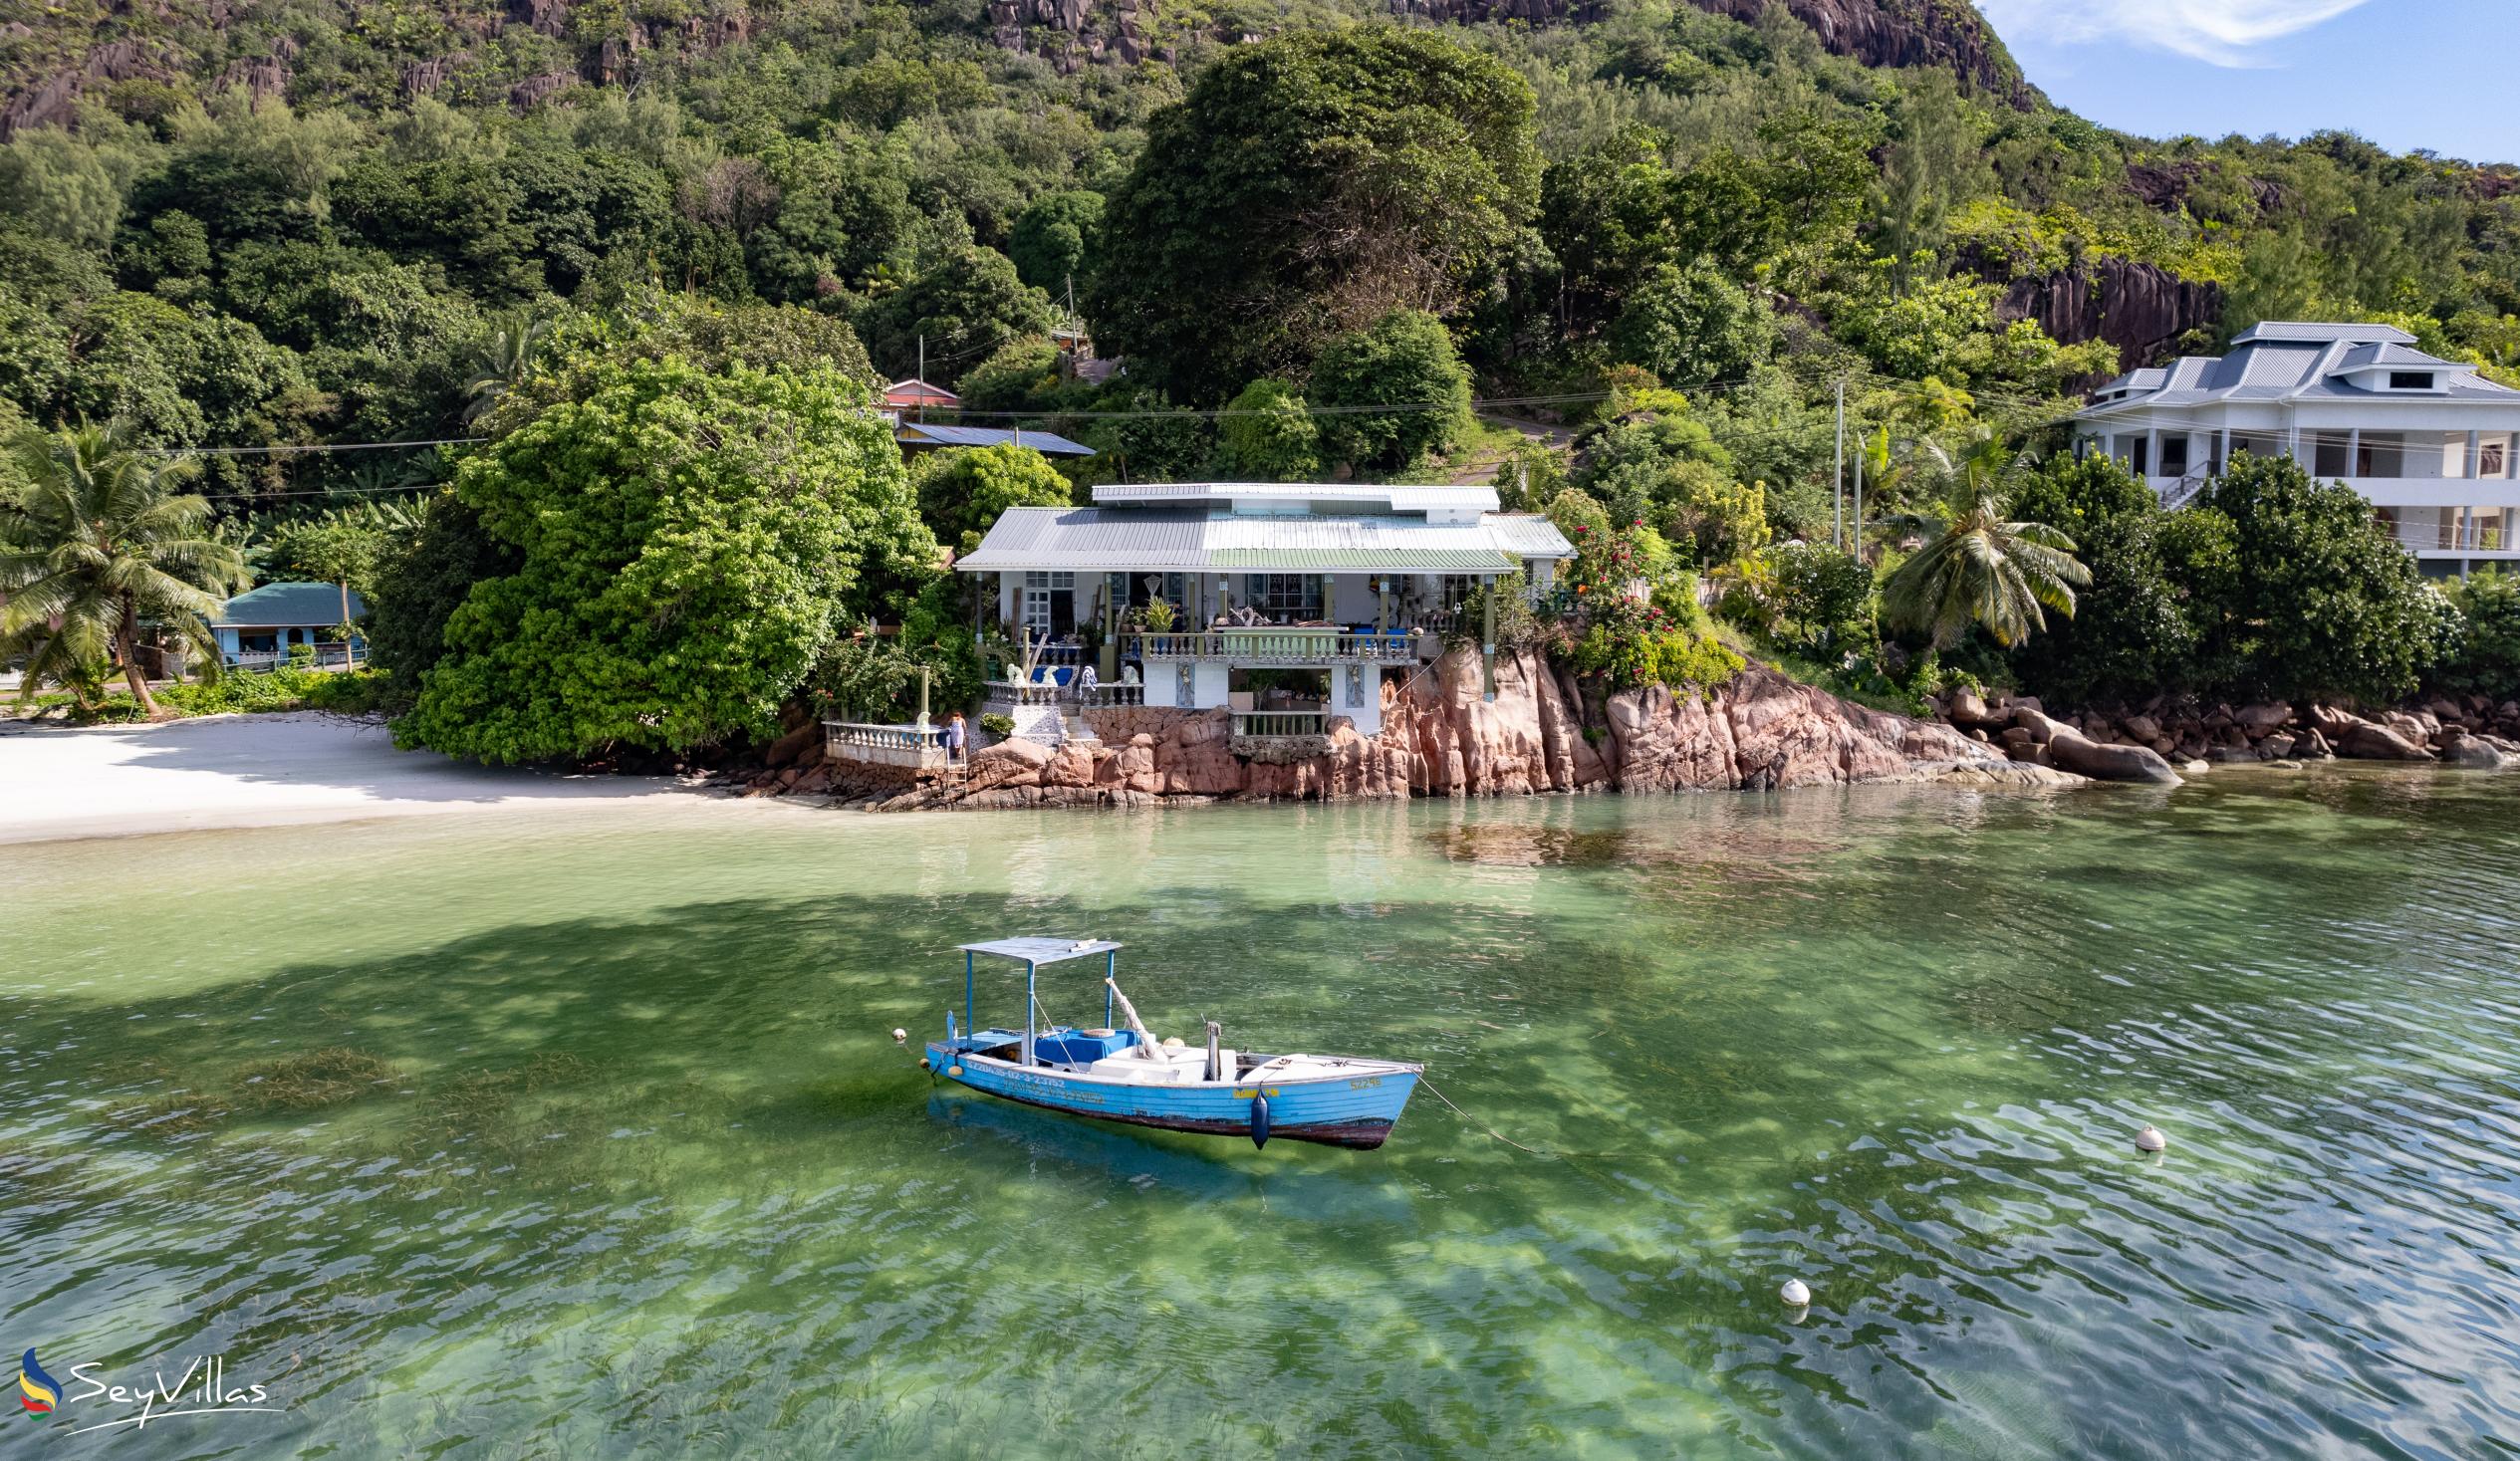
685	544
1268	435
963	304
95	543
2150	619
962	493
2323	603
1404	361
1977	568
1310	185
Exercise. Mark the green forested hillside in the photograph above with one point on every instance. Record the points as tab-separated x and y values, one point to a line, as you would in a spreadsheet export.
283	223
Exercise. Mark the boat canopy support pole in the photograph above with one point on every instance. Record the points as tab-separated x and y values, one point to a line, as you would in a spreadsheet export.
1111	983
1030	970
968	1028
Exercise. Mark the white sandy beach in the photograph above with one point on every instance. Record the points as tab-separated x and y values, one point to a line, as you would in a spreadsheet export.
255	771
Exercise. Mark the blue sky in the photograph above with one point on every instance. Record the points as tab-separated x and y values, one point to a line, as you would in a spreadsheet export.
2408	74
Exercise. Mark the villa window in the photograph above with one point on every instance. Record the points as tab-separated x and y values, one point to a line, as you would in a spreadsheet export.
1457	589
2411	380
2174	455
1290	595
2492	458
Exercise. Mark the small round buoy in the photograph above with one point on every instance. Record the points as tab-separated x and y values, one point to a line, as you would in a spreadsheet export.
901	1035
1172	1042
2151	1139
922	1063
955	1070
1796	1293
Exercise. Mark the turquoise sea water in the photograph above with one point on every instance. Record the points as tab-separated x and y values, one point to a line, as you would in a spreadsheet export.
581	1132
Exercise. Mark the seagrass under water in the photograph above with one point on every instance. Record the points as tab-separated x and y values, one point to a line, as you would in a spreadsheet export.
581	1133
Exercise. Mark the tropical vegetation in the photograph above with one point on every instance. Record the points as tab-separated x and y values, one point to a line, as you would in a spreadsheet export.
589	295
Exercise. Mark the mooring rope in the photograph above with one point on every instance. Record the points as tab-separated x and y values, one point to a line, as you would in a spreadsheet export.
1501	1136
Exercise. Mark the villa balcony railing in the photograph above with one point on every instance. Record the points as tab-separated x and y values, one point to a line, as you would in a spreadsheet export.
2450	538
1282	645
1042	692
918	746
1250	723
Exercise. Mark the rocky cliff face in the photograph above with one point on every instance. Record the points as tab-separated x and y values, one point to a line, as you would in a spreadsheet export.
1441	739
1945	33
2143	308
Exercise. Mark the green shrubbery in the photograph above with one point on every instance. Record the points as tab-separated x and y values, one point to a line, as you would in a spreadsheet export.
289	687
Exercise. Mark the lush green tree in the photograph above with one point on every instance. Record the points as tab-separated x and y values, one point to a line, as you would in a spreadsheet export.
95	542
686	545
421	582
964	491
1149	440
1405	362
1654	451
1052	244
1310	185
2484	656
965	305
2324	604
1976	568
1824	597
1023	375
1268	435
1702	509
2150	619
1690	325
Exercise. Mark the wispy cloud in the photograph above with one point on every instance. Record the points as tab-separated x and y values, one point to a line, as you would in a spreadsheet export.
2222	32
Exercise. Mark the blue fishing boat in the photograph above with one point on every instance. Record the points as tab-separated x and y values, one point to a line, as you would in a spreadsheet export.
1121	1071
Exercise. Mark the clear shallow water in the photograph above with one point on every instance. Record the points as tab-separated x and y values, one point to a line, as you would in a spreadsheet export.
625	1161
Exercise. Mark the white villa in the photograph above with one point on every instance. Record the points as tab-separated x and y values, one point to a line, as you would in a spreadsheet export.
1287	603
2427	441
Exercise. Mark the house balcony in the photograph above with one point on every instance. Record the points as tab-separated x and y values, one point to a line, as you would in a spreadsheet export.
1267	646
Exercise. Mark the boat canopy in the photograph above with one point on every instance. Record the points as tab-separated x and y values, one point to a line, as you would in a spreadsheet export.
1041	950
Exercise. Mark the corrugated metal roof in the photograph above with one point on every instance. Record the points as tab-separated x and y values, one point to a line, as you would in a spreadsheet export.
1399	497
1096	539
1050	443
287	606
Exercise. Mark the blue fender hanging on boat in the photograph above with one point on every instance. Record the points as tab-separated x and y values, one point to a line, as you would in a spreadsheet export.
1259	1119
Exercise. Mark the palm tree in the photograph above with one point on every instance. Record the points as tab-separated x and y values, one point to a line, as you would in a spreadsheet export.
1974	567
98	541
501	360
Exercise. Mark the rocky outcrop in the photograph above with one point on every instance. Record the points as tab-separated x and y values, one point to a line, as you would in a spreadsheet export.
1544	732
2142	309
2473	733
54	99
1945	33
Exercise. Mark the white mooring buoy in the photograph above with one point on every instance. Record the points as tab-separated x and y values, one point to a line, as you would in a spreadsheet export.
901	1035
1796	1293
2151	1139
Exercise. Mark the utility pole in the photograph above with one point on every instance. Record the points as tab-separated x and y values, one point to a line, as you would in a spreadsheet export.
1838	474
921	407
1855	519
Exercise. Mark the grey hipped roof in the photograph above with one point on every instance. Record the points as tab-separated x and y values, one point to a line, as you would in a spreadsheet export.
1111	540
287	606
2282	362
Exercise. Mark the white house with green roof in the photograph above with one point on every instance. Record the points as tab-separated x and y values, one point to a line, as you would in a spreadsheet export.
256	630
1287	602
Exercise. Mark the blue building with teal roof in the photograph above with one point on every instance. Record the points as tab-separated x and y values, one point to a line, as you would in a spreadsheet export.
256	630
